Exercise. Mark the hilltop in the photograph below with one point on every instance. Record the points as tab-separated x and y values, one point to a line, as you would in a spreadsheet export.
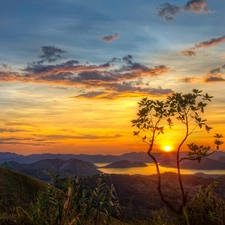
62	168
17	189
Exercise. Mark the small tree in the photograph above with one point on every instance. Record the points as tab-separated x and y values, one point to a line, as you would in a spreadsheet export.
154	116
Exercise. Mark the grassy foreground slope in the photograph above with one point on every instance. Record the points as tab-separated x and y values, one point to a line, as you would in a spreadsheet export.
17	189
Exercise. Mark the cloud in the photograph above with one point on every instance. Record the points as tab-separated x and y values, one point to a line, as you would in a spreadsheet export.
124	90
68	66
198	6
208	78
169	18
168	10
94	79
204	44
26	141
93	94
73	74
5	66
19	124
2	130
82	136
213	76
215	71
188	53
61	88
209	43
50	54
142	69
110	38
86	75
190	80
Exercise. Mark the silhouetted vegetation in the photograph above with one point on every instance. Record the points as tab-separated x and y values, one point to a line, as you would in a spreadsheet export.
115	199
155	115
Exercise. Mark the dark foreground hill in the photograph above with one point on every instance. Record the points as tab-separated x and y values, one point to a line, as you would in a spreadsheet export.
138	194
62	168
17	189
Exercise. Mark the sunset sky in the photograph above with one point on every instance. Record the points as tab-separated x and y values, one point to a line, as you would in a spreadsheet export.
72	71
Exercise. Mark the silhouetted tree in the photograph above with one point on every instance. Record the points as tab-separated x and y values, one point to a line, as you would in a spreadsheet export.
155	115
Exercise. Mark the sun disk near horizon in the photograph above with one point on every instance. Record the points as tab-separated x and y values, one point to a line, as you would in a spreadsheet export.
167	148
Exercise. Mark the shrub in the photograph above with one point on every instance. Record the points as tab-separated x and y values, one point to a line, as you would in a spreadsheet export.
71	205
206	208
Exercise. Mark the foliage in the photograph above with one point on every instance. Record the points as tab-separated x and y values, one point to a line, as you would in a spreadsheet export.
162	216
206	208
88	203
155	115
71	205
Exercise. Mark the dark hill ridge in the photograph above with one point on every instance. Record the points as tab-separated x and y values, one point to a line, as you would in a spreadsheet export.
17	189
221	159
205	164
98	158
125	164
63	168
9	155
165	159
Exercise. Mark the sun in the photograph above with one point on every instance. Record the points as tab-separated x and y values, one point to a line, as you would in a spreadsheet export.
167	148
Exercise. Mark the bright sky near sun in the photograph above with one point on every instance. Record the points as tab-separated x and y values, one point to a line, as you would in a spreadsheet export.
72	71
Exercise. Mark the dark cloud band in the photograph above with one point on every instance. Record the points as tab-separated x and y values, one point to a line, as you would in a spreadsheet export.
119	77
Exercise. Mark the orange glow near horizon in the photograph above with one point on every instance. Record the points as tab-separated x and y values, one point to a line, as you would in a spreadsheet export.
87	127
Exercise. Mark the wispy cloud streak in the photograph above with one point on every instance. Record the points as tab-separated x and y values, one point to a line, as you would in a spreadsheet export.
209	43
203	44
213	76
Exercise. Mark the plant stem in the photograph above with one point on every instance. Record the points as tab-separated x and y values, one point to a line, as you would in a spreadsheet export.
159	186
184	195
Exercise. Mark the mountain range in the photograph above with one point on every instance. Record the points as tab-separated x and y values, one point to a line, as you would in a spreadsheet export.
98	158
82	165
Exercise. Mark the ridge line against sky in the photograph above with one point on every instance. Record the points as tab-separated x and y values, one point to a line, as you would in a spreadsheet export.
72	71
